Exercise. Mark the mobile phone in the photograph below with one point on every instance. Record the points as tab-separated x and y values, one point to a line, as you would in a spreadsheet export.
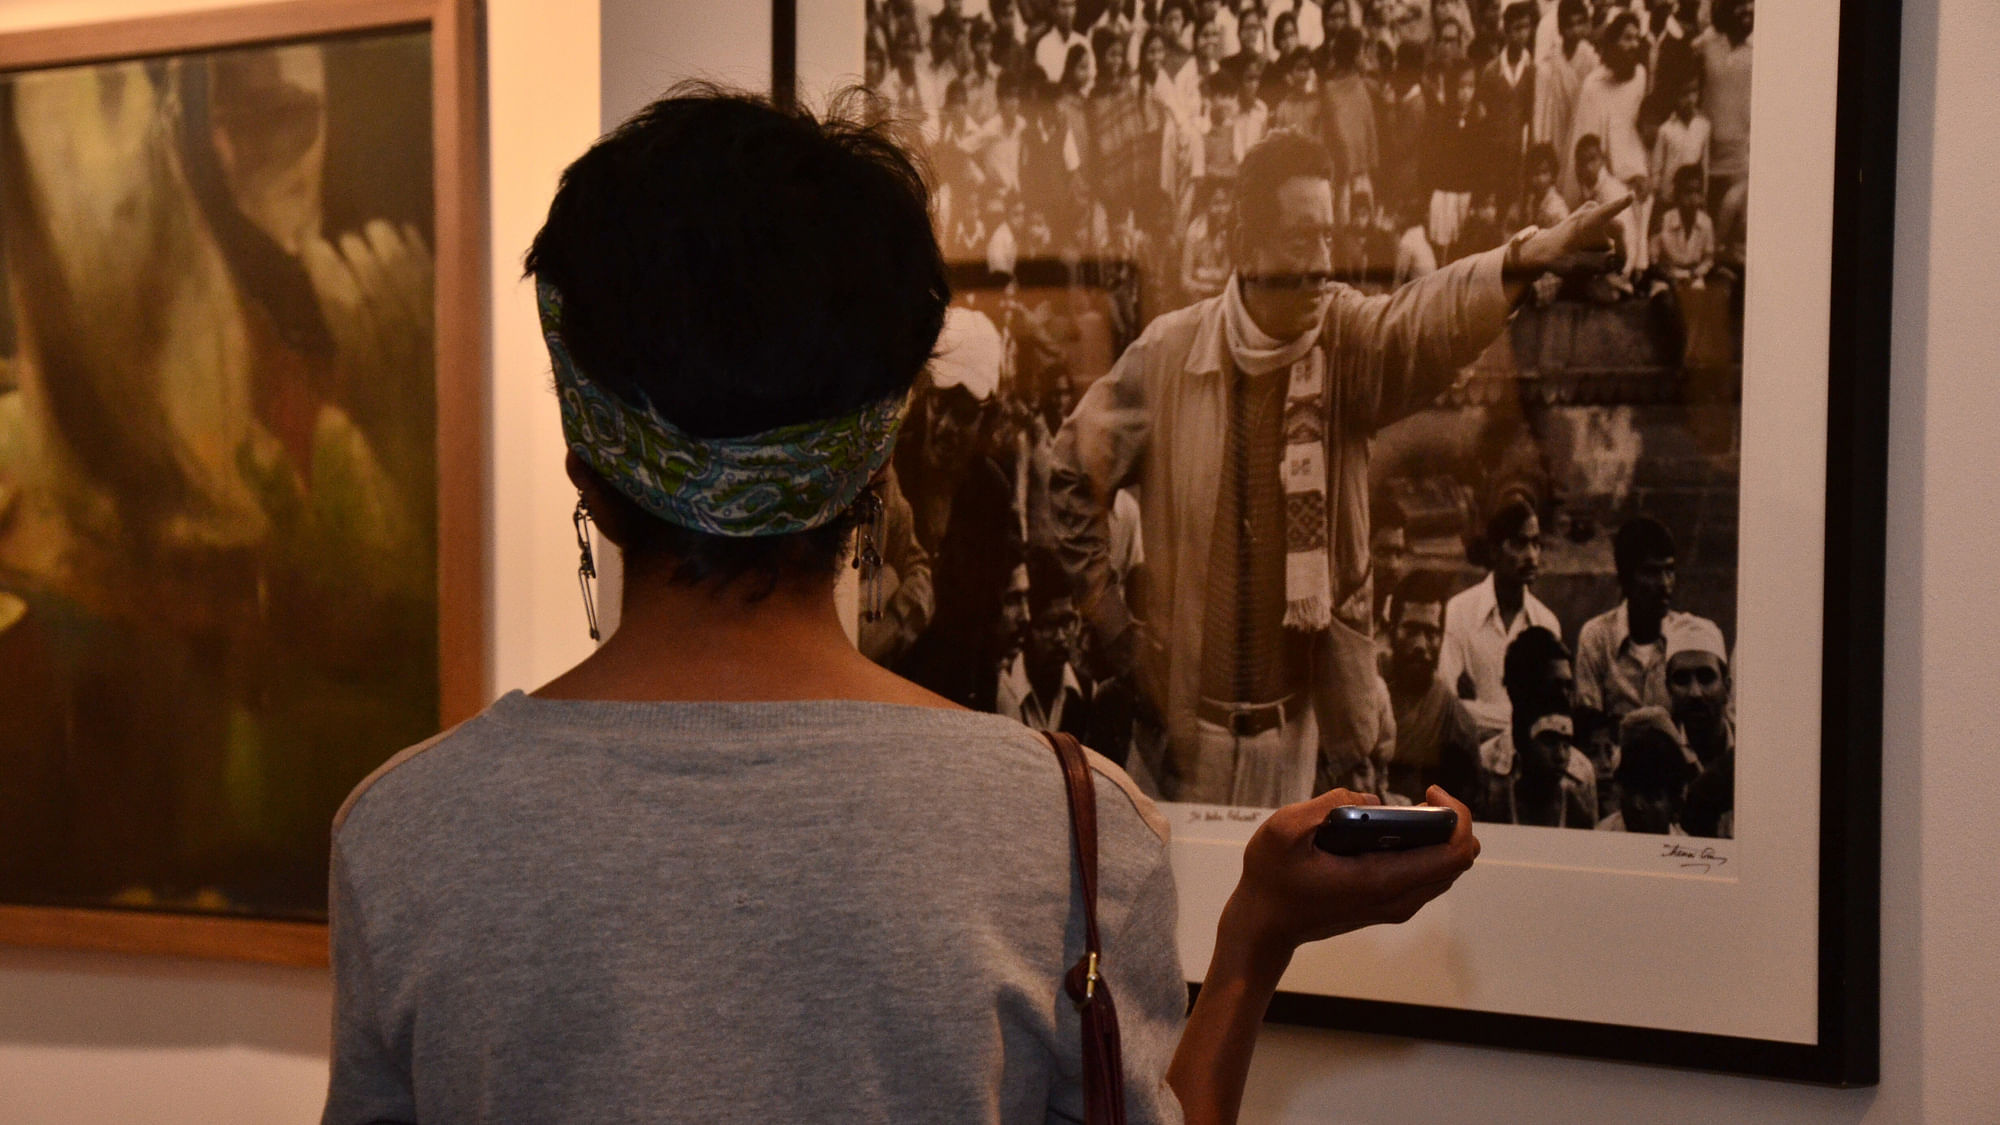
1360	829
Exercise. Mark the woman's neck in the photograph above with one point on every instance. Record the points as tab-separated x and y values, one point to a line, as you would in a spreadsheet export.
699	642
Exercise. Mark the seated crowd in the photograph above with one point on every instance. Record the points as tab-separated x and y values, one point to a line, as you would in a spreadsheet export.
1630	729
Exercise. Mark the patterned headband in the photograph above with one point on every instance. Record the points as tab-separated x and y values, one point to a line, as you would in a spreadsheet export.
790	479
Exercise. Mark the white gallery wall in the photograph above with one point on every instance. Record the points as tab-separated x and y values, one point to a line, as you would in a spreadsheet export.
101	1039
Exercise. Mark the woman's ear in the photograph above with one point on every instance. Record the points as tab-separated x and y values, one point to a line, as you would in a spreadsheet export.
609	510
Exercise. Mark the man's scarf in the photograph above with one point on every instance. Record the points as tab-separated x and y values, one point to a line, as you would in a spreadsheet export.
1308	569
790	479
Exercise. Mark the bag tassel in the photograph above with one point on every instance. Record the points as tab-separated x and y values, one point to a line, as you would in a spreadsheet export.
1103	1063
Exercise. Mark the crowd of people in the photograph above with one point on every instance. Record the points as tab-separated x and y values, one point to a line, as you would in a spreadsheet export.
1088	165
1627	725
1630	727
1097	133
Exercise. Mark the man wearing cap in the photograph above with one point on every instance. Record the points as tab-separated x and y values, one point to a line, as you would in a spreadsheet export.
1535	774
1547	790
1621	653
1245	422
1697	672
920	492
962	503
1654	768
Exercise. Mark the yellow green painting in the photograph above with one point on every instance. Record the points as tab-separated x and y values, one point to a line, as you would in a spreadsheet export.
218	497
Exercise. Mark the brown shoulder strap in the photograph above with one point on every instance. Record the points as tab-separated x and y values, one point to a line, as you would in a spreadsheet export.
1103	1069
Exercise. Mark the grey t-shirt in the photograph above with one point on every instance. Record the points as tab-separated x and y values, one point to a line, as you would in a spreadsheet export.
568	911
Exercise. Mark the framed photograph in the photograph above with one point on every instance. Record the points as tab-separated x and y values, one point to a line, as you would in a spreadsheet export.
242	455
1346	503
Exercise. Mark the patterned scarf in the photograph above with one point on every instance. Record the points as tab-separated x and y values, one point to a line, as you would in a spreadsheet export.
1308	569
790	479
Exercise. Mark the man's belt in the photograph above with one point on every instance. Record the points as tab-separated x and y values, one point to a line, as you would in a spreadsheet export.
1247	720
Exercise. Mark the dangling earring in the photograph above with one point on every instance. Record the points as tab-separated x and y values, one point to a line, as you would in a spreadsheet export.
868	552
586	571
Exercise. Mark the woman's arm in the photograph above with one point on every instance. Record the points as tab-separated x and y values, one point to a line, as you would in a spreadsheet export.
1213	1058
368	1078
1292	893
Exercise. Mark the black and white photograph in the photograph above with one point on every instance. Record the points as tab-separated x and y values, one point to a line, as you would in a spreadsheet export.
1335	394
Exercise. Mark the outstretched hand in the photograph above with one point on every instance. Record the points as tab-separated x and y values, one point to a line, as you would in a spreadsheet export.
1580	245
1291	892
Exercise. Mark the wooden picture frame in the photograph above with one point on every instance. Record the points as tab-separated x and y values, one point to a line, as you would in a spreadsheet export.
1812	493
459	257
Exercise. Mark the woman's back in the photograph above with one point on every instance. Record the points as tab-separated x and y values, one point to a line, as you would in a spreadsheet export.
820	910
825	894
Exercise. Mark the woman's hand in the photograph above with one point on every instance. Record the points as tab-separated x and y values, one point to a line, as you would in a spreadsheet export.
1291	892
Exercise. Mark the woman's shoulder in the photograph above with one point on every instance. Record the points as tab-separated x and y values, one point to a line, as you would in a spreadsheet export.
412	761
1115	787
972	769
998	747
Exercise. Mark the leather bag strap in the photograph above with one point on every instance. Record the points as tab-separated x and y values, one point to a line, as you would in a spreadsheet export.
1103	1068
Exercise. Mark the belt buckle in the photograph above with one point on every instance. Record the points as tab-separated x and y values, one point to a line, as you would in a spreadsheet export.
1243	724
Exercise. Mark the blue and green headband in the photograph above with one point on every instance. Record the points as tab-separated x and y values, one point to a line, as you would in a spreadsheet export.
790	479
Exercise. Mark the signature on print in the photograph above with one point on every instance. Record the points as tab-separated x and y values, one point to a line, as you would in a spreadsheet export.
1700	861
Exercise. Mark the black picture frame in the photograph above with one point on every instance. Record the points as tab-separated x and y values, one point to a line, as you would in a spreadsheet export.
1846	1052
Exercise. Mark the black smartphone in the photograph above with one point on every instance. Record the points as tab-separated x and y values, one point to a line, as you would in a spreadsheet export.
1360	829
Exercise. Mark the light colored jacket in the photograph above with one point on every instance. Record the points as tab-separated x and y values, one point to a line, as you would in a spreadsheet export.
1155	423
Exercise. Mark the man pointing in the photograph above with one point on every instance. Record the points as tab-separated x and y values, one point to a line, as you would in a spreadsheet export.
1243	423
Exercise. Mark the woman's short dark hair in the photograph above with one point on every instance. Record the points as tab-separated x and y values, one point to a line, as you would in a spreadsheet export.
741	267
